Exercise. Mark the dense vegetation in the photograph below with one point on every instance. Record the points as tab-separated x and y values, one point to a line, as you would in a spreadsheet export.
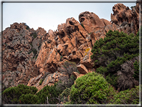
126	97
84	92
23	94
93	88
112	51
11	95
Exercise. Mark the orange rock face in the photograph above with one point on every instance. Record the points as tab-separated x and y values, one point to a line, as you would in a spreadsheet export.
122	16
32	55
90	21
82	69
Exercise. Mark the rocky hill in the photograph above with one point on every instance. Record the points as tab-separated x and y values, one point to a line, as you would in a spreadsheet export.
39	58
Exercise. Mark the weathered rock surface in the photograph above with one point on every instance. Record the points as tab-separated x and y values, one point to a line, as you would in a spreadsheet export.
123	16
19	54
125	75
30	56
82	69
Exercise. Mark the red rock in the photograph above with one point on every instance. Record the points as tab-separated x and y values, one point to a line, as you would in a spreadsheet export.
68	43
123	15
106	22
76	74
90	21
86	60
82	69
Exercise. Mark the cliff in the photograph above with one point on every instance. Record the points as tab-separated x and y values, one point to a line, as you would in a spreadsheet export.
36	57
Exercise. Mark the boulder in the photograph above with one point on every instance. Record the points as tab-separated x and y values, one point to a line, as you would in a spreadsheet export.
82	69
86	59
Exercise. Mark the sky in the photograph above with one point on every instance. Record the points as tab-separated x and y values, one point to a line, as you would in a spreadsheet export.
50	15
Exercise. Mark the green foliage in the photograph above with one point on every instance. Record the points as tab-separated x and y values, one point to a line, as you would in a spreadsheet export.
40	81
112	79
28	99
34	35
136	72
91	88
70	67
51	91
90	33
12	94
34	51
39	46
126	97
65	83
112	51
82	25
140	31
64	95
27	27
61	57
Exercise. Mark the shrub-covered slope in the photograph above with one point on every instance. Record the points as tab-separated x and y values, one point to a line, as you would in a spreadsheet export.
114	57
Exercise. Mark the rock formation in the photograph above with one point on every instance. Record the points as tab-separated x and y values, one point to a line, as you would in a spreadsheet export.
123	16
31	56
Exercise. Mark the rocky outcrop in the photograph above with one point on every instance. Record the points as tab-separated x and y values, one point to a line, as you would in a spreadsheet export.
90	21
123	16
19	54
125	75
31	56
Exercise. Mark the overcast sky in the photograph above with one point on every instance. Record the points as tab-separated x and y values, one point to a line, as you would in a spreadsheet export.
49	15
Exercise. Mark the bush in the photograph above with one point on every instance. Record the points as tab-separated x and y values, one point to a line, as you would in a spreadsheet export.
136	72
65	83
28	99
61	58
34	35
112	51
49	91
40	81
34	51
12	94
112	79
64	95
91	88
126	97
27	27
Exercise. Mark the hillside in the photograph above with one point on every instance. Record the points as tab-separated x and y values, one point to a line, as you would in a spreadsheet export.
64	64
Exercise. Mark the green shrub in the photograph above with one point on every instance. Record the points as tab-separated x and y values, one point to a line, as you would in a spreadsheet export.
91	88
34	35
31	44
40	81
61	58
64	95
65	83
27	27
112	79
82	25
12	94
28	99
136	71
34	51
112	51
126	97
49	91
